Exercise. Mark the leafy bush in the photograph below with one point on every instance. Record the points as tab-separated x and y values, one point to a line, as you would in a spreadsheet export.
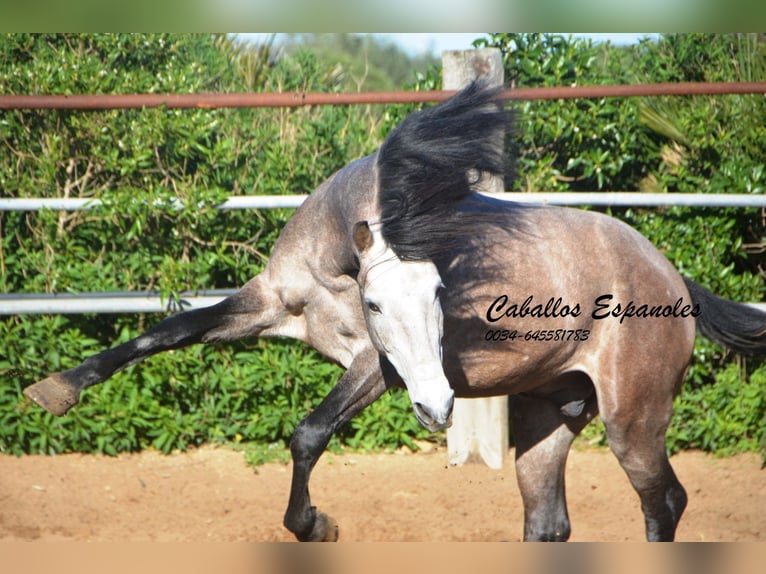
726	417
574	145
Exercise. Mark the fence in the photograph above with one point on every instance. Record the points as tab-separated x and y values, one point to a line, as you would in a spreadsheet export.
148	302
481	430
127	302
297	99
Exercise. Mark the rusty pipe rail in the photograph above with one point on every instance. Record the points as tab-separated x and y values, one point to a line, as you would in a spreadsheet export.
298	99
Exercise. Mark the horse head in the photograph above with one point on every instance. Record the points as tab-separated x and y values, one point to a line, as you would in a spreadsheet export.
400	300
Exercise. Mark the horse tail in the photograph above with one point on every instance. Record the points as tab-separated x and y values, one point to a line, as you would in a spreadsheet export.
736	326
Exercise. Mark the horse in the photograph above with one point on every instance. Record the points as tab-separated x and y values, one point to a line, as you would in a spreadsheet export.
399	270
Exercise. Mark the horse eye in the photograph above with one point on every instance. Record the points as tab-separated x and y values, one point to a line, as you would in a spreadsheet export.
373	307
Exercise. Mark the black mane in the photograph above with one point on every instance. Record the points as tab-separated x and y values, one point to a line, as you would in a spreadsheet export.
429	165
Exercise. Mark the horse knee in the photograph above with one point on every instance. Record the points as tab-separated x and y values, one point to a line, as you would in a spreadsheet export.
308	441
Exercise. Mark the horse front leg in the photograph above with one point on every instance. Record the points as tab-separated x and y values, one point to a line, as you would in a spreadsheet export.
543	435
245	313
360	386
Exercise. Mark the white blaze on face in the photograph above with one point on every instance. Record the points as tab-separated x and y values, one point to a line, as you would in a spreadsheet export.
405	322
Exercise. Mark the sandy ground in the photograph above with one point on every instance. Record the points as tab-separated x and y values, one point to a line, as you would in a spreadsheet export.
210	494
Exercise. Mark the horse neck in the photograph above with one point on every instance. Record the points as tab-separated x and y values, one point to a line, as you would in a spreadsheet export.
322	225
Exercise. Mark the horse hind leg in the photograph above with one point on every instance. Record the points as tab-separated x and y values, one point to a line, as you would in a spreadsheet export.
233	318
543	431
638	441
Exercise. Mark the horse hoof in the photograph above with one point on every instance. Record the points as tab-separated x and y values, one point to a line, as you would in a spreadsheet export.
325	529
53	394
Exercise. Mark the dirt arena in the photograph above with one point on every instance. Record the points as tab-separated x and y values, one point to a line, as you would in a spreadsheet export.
211	495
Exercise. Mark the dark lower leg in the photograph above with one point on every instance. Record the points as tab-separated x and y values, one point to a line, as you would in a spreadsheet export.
642	454
663	498
224	321
543	436
361	385
663	508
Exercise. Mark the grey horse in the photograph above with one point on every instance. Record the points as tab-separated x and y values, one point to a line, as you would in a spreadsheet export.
396	269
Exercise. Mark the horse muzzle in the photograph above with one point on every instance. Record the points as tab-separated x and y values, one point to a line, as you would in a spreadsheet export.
435	419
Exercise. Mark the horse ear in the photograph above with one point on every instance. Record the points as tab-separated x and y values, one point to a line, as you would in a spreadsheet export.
362	236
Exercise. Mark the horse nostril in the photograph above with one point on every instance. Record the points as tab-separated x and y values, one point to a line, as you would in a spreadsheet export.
426	416
422	412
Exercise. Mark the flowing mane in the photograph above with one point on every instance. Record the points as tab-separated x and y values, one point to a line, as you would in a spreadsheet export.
431	162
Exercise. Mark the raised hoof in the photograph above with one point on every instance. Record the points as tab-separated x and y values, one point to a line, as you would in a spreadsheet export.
325	529
53	394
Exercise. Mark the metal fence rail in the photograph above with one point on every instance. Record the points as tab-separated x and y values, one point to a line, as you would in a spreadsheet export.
124	302
79	204
131	302
593	198
297	99
118	302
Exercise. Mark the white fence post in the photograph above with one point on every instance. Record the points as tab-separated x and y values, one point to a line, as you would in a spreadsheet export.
479	430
